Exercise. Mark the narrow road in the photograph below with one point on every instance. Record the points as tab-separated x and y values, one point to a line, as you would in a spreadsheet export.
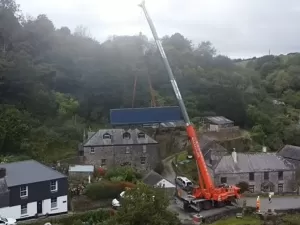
168	172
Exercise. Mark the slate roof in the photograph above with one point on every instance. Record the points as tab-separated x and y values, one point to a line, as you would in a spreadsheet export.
290	152
219	120
117	138
29	171
246	163
82	168
152	178
173	124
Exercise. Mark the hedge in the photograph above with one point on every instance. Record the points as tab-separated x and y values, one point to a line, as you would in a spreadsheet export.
95	216
106	189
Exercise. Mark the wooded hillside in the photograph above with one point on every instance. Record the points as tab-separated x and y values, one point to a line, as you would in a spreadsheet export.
54	83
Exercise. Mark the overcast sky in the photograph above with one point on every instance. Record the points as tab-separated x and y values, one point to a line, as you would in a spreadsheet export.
237	28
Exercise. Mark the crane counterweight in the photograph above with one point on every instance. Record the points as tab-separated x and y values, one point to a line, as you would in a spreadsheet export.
206	195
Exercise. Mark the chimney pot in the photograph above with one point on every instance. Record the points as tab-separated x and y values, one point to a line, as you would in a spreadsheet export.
2	173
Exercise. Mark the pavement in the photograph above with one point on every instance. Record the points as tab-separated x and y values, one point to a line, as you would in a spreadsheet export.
284	202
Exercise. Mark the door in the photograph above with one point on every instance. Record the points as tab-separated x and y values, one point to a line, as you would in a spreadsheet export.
39	207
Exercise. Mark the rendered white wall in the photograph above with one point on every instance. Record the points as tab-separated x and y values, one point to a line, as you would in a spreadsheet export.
15	211
62	205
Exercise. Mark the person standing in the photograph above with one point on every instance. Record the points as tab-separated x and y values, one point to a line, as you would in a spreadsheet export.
270	197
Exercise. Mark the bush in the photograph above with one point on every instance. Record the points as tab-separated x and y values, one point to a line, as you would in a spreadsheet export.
244	186
106	189
123	174
94	216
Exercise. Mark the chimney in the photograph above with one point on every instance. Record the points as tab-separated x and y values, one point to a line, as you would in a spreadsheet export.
264	149
234	156
2	173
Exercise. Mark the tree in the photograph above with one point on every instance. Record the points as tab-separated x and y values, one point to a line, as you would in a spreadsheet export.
144	206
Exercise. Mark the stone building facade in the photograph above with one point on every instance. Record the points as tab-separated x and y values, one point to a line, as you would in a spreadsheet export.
264	172
117	147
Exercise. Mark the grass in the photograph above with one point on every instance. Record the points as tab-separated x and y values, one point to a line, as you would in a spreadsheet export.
239	221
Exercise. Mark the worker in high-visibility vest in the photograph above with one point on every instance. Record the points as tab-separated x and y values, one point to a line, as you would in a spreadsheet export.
257	204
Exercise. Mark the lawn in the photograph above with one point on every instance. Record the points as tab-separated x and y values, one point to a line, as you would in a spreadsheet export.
239	221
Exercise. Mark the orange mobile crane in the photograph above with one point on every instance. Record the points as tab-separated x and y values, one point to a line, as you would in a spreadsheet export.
206	195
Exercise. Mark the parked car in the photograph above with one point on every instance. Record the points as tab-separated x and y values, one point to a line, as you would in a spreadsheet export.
7	221
184	183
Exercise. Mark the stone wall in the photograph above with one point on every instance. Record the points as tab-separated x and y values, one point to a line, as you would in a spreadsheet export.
111	156
259	179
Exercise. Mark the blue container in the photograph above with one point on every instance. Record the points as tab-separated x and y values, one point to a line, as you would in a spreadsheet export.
153	115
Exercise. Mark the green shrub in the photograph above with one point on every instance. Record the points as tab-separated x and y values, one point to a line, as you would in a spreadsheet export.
104	190
244	186
122	174
94	216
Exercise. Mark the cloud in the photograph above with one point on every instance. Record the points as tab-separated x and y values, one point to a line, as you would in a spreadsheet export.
236	28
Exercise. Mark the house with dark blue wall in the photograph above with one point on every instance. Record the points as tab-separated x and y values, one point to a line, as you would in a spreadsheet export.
29	189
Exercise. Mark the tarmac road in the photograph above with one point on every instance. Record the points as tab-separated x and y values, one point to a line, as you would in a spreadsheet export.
284	202
168	172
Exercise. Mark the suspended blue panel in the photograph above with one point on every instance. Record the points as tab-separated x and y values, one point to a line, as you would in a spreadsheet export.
142	116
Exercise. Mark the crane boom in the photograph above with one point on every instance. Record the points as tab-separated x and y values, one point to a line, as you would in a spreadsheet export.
201	165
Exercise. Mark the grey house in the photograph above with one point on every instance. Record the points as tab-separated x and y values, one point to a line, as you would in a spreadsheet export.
117	147
29	189
291	153
264	172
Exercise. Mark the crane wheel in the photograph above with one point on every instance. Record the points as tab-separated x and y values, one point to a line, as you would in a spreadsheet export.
207	205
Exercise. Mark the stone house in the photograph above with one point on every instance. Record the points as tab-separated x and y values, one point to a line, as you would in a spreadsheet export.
291	153
264	172
118	147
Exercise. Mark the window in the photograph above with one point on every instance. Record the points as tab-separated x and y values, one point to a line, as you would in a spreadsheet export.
223	180
266	176
251	188
53	203
53	186
126	135
251	176
144	148
92	150
103	162
23	191
23	209
106	136
280	188
127	150
280	175
143	160
141	135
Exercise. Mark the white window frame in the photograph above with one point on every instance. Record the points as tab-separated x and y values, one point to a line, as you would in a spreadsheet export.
143	162
144	148
53	203
103	162
53	185
92	150
24	192
24	209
